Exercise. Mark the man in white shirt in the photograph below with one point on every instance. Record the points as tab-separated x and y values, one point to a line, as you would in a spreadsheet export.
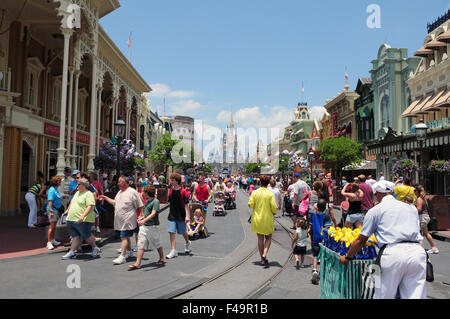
300	190
403	262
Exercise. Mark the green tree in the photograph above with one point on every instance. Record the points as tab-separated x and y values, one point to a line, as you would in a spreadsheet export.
337	153
162	151
254	168
283	167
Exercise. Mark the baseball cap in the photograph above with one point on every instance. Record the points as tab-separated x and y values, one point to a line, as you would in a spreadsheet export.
67	169
75	172
296	175
383	187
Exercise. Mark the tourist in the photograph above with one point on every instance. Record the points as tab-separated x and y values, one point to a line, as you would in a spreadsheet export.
313	200
262	219
162	180
402	259
80	218
274	189
424	217
318	222
367	201
126	202
299	242
54	209
370	181
202	193
401	191
33	198
76	175
93	178
344	181
300	190
381	178
220	186
354	197
197	225
67	180
149	234
178	215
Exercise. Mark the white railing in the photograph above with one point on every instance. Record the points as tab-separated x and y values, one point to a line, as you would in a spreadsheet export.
5	79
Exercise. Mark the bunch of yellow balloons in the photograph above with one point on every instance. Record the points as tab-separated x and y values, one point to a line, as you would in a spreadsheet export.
340	239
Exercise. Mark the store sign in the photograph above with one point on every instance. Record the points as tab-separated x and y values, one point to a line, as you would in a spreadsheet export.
53	130
439	124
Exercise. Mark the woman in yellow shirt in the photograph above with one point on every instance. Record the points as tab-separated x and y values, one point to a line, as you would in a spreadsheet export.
264	207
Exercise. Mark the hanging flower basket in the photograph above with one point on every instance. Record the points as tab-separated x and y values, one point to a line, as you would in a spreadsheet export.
404	168
439	167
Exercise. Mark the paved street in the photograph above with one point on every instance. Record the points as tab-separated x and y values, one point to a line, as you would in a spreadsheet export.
230	242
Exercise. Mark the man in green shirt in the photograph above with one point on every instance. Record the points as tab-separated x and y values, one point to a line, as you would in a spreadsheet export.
149	234
162	179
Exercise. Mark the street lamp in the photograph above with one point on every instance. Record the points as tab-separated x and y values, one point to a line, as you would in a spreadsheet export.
311	159
421	136
119	128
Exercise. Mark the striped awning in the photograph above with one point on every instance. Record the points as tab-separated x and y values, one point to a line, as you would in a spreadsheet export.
444	37
422	52
434	104
435	44
416	111
411	107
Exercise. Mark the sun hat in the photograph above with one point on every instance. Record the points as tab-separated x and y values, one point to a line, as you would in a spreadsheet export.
75	172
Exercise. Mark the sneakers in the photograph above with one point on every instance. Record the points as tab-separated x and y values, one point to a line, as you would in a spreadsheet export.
187	248
302	266
434	251
119	260
50	246
70	255
172	254
135	249
129	254
95	251
119	250
55	243
315	277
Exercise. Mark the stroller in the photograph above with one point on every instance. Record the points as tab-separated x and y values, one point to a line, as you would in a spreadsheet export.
203	233
219	205
287	205
230	201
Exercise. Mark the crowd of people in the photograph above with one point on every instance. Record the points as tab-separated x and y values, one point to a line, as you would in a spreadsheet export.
373	206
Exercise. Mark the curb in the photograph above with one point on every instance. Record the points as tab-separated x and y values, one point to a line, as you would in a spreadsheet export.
111	237
440	237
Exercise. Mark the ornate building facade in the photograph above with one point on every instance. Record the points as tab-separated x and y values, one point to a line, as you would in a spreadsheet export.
63	85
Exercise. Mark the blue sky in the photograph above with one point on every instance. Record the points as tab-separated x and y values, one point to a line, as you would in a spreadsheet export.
250	57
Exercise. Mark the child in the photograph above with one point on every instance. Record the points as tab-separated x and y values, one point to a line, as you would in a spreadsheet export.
316	235
299	242
149	228
197	225
220	202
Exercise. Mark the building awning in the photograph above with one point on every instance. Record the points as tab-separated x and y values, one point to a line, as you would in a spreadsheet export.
407	112
422	52
443	101
364	165
444	37
432	103
364	112
417	110
435	44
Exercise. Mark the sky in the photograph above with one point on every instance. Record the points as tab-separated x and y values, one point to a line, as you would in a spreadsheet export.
209	58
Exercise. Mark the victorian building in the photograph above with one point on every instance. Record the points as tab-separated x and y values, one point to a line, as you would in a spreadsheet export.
63	84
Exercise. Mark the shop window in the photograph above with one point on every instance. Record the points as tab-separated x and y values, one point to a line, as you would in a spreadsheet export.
385	118
35	68
56	98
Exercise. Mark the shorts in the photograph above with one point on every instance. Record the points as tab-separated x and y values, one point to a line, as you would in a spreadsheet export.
296	212
127	233
82	230
176	227
424	220
354	218
52	216
315	250
298	250
309	216
149	237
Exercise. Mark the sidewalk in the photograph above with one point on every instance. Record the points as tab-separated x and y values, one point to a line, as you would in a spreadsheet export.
17	240
443	235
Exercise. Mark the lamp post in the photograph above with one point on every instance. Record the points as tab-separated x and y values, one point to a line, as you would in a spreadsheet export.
119	127
311	159
421	136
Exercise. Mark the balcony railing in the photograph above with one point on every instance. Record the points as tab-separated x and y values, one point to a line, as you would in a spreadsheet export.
5	79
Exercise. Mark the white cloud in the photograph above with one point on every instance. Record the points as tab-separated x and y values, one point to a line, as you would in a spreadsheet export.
223	117
185	107
159	90
182	94
277	117
317	112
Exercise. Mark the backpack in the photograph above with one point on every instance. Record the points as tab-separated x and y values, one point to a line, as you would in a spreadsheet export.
183	194
303	208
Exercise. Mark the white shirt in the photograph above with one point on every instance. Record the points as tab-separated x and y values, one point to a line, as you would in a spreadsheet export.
276	192
371	182
392	222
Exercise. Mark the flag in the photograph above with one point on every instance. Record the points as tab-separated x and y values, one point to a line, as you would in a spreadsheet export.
346	74
129	41
303	88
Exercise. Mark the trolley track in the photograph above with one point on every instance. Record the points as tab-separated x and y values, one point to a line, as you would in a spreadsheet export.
256	292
